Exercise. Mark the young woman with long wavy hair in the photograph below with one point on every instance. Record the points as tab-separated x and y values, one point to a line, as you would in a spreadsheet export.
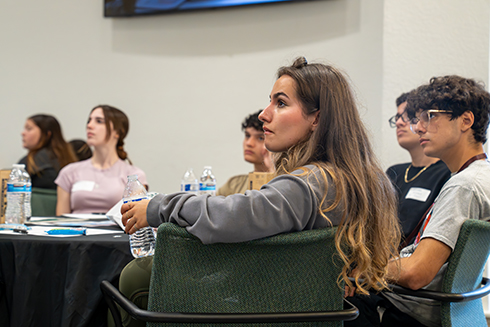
326	175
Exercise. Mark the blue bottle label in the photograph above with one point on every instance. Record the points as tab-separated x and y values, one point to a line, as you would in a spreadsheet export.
18	188
207	187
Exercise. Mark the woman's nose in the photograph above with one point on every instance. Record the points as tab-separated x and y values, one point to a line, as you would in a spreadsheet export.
264	115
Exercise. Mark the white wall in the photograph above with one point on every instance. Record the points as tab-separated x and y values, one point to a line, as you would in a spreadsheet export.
185	80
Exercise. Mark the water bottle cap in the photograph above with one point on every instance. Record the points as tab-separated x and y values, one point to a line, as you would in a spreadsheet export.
19	166
132	177
208	167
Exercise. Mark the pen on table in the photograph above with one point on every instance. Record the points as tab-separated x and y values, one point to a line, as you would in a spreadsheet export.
17	228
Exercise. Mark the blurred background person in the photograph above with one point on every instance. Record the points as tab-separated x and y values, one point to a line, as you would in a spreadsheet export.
97	184
254	151
417	182
48	150
81	149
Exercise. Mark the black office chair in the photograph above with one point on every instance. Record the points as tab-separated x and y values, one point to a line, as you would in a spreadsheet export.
280	280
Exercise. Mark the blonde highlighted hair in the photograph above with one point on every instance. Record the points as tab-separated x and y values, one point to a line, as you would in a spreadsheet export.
369	232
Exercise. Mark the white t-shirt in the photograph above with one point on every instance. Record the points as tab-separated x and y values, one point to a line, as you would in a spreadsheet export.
465	195
95	190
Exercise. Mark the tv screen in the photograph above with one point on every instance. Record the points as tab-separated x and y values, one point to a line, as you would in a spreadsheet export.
124	8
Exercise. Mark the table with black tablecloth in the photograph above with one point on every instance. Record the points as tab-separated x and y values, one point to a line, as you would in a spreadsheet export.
50	281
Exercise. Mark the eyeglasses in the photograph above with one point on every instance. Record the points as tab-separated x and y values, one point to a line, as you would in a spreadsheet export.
395	118
425	117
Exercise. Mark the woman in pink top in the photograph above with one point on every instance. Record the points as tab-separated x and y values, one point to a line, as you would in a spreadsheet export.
96	184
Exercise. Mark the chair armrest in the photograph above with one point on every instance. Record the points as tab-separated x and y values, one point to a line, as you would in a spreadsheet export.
112	294
446	297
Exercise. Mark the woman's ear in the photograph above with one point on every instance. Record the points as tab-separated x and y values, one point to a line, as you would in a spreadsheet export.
316	120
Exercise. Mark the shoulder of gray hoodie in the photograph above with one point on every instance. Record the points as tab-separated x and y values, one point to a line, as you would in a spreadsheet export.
288	203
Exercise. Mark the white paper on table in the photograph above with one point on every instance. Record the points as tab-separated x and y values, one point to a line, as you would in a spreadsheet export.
41	231
114	214
92	216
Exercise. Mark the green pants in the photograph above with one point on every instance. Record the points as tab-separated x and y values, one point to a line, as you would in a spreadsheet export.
134	283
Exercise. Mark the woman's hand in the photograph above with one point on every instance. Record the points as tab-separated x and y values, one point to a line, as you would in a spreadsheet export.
134	215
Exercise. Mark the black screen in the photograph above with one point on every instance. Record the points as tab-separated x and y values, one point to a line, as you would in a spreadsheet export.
122	8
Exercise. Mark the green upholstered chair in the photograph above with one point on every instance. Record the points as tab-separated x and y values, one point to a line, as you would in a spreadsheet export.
43	202
461	292
288	279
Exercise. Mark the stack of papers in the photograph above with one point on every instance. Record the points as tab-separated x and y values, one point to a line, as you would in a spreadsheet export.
72	220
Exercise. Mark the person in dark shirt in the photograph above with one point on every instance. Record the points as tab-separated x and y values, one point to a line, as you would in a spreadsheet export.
417	182
48	150
82	149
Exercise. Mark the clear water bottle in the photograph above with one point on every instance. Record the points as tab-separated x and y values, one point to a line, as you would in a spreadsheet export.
142	242
18	196
207	182
189	182
28	193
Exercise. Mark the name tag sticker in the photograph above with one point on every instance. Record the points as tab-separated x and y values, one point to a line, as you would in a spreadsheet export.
83	186
418	194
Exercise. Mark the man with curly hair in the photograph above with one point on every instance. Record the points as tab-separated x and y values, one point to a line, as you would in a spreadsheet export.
450	115
254	152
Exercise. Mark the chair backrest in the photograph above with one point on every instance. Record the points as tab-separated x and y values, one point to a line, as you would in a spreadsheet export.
464	273
43	202
293	272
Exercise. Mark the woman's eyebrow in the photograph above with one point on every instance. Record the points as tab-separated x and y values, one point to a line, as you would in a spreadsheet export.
278	94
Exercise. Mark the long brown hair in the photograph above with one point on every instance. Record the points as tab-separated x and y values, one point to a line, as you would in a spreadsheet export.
369	232
51	139
116	120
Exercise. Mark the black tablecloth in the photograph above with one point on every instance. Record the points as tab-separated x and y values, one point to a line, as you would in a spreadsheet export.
48	281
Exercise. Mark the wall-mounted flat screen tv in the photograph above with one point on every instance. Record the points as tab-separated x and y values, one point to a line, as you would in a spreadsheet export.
124	8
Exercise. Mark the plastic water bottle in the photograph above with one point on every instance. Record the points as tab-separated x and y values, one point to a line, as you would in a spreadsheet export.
18	196
207	183
189	182
142	242
28	193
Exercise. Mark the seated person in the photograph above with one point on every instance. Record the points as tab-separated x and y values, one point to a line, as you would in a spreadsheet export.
450	115
325	176
417	182
81	149
48	150
95	185
254	151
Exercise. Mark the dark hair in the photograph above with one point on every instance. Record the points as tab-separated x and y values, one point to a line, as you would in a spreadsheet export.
368	235
120	124
253	121
402	98
51	139
81	149
456	94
